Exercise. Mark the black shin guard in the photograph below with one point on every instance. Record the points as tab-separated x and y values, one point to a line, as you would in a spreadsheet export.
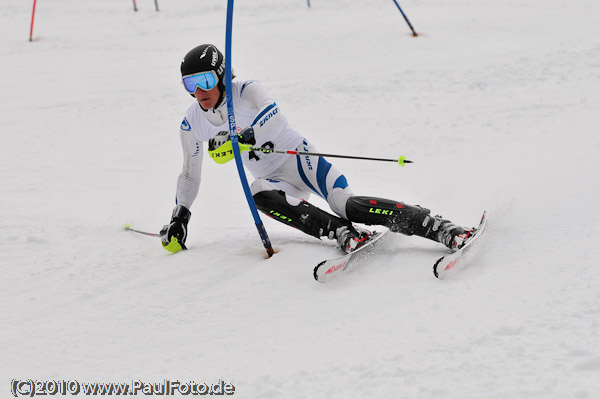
304	216
397	216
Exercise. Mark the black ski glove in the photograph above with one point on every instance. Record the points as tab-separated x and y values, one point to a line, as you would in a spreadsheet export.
173	235
246	136
218	140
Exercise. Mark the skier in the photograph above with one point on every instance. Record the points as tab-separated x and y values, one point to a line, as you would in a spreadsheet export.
283	182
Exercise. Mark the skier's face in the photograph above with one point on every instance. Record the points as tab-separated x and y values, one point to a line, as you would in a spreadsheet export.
207	99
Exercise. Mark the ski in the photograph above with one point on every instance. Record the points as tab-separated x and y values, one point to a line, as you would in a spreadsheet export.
445	265
331	268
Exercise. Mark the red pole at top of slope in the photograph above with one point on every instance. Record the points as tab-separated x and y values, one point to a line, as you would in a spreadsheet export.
32	18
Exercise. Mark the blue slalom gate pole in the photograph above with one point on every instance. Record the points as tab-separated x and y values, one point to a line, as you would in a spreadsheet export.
406	19
233	134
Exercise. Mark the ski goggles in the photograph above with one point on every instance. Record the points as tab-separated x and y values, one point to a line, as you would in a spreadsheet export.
204	80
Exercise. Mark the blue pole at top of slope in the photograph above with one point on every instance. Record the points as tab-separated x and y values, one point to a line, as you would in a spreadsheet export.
233	133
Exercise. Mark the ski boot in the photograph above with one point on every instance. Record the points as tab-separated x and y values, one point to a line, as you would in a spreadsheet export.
452	236
350	238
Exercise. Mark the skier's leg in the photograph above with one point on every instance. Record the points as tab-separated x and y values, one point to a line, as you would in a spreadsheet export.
304	216
297	178
276	203
316	175
406	219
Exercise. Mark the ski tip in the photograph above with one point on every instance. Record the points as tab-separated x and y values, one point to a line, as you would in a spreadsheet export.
483	221
316	270
435	272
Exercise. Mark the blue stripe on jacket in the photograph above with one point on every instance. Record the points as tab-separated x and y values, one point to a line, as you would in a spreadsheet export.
303	176
322	171
263	113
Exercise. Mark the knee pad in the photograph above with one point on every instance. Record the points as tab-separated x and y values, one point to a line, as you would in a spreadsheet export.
397	216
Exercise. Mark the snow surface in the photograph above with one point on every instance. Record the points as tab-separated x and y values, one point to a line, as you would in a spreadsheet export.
496	102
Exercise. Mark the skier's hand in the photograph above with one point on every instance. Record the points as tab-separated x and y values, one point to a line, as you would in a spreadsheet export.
173	235
220	147
218	140
246	136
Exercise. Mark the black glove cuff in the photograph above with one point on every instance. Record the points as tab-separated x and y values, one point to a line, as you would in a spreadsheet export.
181	214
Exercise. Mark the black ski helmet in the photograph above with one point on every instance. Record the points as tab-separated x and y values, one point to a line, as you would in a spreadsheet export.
204	58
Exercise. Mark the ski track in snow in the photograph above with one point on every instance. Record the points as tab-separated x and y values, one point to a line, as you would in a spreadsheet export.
497	105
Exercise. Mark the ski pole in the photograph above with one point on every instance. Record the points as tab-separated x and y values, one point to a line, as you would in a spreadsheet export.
156	4
406	19
127	227
134	6
247	147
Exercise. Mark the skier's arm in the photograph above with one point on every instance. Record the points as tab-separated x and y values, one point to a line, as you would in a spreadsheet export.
174	234
188	181
256	97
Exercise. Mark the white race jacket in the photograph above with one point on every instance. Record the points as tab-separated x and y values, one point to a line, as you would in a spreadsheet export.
253	106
